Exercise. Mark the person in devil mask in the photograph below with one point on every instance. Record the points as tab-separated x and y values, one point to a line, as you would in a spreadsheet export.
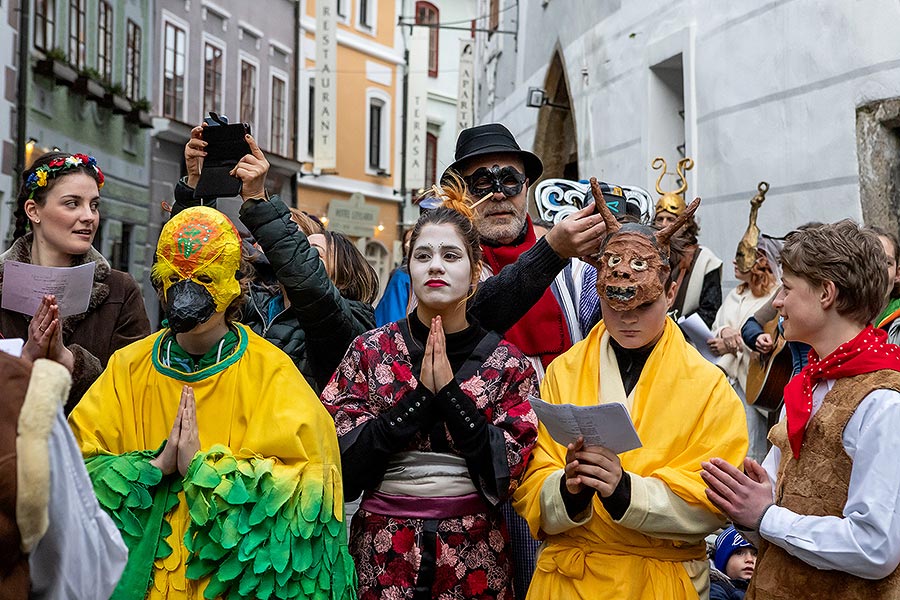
204	438
631	527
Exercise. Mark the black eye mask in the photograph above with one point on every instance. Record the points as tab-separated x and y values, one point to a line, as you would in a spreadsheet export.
506	180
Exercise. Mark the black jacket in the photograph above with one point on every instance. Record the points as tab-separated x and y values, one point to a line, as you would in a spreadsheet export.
320	324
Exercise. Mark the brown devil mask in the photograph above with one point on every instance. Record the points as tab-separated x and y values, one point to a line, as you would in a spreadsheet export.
634	259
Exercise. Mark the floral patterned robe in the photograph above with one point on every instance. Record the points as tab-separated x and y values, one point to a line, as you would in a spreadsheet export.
467	556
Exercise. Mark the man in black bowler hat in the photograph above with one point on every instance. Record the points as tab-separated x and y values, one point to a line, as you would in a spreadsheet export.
516	297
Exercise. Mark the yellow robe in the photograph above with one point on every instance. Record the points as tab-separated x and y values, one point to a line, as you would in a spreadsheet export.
255	403
685	412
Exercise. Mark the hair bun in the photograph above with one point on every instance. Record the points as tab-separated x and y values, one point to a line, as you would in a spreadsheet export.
454	195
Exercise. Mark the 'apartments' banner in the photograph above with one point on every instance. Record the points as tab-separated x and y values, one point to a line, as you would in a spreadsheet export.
464	107
416	119
325	103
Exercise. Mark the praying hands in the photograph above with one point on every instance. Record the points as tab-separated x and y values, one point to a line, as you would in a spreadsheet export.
184	440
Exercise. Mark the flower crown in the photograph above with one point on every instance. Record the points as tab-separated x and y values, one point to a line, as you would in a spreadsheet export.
41	175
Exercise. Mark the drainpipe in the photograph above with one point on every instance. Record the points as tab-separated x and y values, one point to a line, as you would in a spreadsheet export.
22	90
298	40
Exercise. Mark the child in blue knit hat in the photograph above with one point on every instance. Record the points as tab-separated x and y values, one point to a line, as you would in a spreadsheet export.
734	560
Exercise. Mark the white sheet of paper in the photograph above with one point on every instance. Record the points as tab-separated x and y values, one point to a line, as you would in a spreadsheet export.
698	333
24	285
12	346
607	425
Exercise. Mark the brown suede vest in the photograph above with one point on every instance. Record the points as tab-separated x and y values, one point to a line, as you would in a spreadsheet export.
14	577
817	484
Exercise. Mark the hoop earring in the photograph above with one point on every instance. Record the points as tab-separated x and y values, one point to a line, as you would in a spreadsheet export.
37	221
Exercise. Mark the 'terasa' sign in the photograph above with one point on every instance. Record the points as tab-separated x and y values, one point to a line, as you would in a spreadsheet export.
353	217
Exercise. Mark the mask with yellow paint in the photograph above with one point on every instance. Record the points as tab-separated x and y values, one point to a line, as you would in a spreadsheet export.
202	245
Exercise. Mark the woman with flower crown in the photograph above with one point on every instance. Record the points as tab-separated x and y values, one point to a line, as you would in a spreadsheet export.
60	202
435	429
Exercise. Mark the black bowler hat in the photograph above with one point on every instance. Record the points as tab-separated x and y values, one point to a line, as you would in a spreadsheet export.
492	138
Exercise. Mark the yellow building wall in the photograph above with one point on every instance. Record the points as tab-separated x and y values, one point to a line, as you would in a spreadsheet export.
385	20
352	114
351	120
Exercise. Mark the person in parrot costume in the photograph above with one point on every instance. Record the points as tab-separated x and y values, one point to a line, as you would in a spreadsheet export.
207	447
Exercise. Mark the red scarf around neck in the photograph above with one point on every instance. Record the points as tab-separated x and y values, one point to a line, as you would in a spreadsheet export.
542	331
866	353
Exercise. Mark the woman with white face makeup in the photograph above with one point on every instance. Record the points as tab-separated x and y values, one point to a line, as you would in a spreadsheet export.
60	203
435	429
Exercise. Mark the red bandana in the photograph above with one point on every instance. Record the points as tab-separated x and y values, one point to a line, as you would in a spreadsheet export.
543	330
865	353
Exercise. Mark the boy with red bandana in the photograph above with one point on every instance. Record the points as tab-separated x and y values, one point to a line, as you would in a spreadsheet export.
826	501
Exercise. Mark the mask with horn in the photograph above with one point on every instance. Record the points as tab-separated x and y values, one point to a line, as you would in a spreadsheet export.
634	259
745	257
672	202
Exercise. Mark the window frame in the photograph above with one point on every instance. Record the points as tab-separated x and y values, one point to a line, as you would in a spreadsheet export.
366	16
431	159
248	59
44	24
179	113
77	34
433	35
310	137
343	17
217	44
133	54
105	39
383	99
282	115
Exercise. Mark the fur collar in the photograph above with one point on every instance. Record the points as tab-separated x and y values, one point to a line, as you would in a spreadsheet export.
21	251
47	391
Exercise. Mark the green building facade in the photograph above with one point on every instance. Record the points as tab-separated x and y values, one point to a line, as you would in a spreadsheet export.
89	80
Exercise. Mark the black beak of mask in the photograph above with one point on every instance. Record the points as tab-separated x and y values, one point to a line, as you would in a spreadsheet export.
188	304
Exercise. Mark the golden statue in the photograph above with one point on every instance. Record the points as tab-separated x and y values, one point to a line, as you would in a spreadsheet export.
745	257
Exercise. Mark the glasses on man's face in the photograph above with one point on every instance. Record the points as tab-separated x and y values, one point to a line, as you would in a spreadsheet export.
506	180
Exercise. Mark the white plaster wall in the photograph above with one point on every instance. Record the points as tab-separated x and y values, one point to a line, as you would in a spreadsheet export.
443	110
775	91
442	90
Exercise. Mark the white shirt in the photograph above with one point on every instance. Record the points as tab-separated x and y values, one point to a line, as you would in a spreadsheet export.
82	554
866	541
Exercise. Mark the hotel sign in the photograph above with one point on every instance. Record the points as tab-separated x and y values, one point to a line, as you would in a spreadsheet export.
325	103
353	217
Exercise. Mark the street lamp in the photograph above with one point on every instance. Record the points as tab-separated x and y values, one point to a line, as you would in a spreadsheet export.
537	97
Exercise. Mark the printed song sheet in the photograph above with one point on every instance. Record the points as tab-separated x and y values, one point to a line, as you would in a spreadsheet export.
698	333
24	286
607	425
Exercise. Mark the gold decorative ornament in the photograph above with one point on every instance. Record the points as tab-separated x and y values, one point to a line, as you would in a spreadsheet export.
745	257
672	202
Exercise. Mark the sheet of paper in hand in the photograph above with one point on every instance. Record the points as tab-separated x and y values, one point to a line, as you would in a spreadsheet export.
607	425
12	346
24	286
698	333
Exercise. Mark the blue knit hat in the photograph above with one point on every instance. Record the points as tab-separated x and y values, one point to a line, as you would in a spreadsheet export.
726	544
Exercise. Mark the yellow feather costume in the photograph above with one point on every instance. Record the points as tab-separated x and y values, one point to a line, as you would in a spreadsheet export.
263	502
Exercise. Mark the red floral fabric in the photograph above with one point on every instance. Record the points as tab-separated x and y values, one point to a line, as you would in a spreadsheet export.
472	556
